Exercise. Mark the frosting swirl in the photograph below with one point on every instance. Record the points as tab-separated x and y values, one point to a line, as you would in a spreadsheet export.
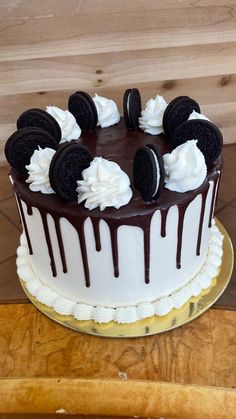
196	115
185	167
104	185
107	110
70	130
152	116
38	170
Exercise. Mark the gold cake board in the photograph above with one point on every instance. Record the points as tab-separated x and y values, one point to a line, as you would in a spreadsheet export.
193	308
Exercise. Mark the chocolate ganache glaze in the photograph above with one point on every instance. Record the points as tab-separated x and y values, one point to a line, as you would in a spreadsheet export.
118	144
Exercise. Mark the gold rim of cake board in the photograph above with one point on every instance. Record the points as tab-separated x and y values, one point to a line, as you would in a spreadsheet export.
193	308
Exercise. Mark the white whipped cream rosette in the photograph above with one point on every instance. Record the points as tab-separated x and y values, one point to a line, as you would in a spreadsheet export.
38	170
70	130
185	167
196	115
107	111
104	185
152	116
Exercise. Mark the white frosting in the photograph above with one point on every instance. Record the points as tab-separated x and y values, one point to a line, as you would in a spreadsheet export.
158	175
185	167
46	296
163	306
70	130
152	116
104	185
38	170
102	314
196	115
82	311
64	306
127	314
107	110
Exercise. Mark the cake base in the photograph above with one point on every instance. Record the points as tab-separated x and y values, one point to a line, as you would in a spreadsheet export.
193	308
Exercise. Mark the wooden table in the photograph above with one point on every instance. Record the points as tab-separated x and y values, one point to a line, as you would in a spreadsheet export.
187	373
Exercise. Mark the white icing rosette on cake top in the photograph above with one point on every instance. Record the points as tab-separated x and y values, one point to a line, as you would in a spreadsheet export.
152	116
104	184
107	111
70	130
196	115
38	170
185	167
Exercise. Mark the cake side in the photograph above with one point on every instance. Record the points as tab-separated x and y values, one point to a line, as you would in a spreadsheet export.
125	314
129	252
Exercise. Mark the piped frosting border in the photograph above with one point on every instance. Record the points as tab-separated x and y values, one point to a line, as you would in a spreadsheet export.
128	314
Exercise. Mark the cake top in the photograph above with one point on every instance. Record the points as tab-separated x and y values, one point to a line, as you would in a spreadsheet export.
108	163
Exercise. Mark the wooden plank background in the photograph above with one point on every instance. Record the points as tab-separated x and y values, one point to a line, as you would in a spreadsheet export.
50	48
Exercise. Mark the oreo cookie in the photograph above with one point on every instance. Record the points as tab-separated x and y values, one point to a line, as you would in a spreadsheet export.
132	107
66	168
22	143
40	119
210	140
82	106
177	112
148	172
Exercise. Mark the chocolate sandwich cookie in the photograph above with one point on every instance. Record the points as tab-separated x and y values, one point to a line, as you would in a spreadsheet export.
82	106
208	136
177	112
66	168
22	143
132	107
40	119
148	172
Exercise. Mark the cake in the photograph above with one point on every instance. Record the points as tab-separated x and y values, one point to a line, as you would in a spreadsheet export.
136	237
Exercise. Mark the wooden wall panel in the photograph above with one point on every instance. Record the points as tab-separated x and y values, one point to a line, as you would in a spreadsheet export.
50	48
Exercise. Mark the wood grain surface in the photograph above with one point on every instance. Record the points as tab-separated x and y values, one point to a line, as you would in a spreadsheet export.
50	48
200	355
109	397
202	352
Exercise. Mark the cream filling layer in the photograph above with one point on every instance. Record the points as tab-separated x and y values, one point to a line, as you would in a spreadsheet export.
129	314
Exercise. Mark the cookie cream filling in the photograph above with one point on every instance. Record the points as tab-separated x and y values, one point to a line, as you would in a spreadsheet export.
158	172
127	314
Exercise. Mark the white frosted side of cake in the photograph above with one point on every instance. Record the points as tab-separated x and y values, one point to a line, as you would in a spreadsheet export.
129	289
127	314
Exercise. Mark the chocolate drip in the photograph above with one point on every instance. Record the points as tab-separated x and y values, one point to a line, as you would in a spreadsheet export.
114	246
29	210
146	238
60	244
164	213
48	240
25	225
96	231
203	205
80	231
214	198
182	210
78	224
